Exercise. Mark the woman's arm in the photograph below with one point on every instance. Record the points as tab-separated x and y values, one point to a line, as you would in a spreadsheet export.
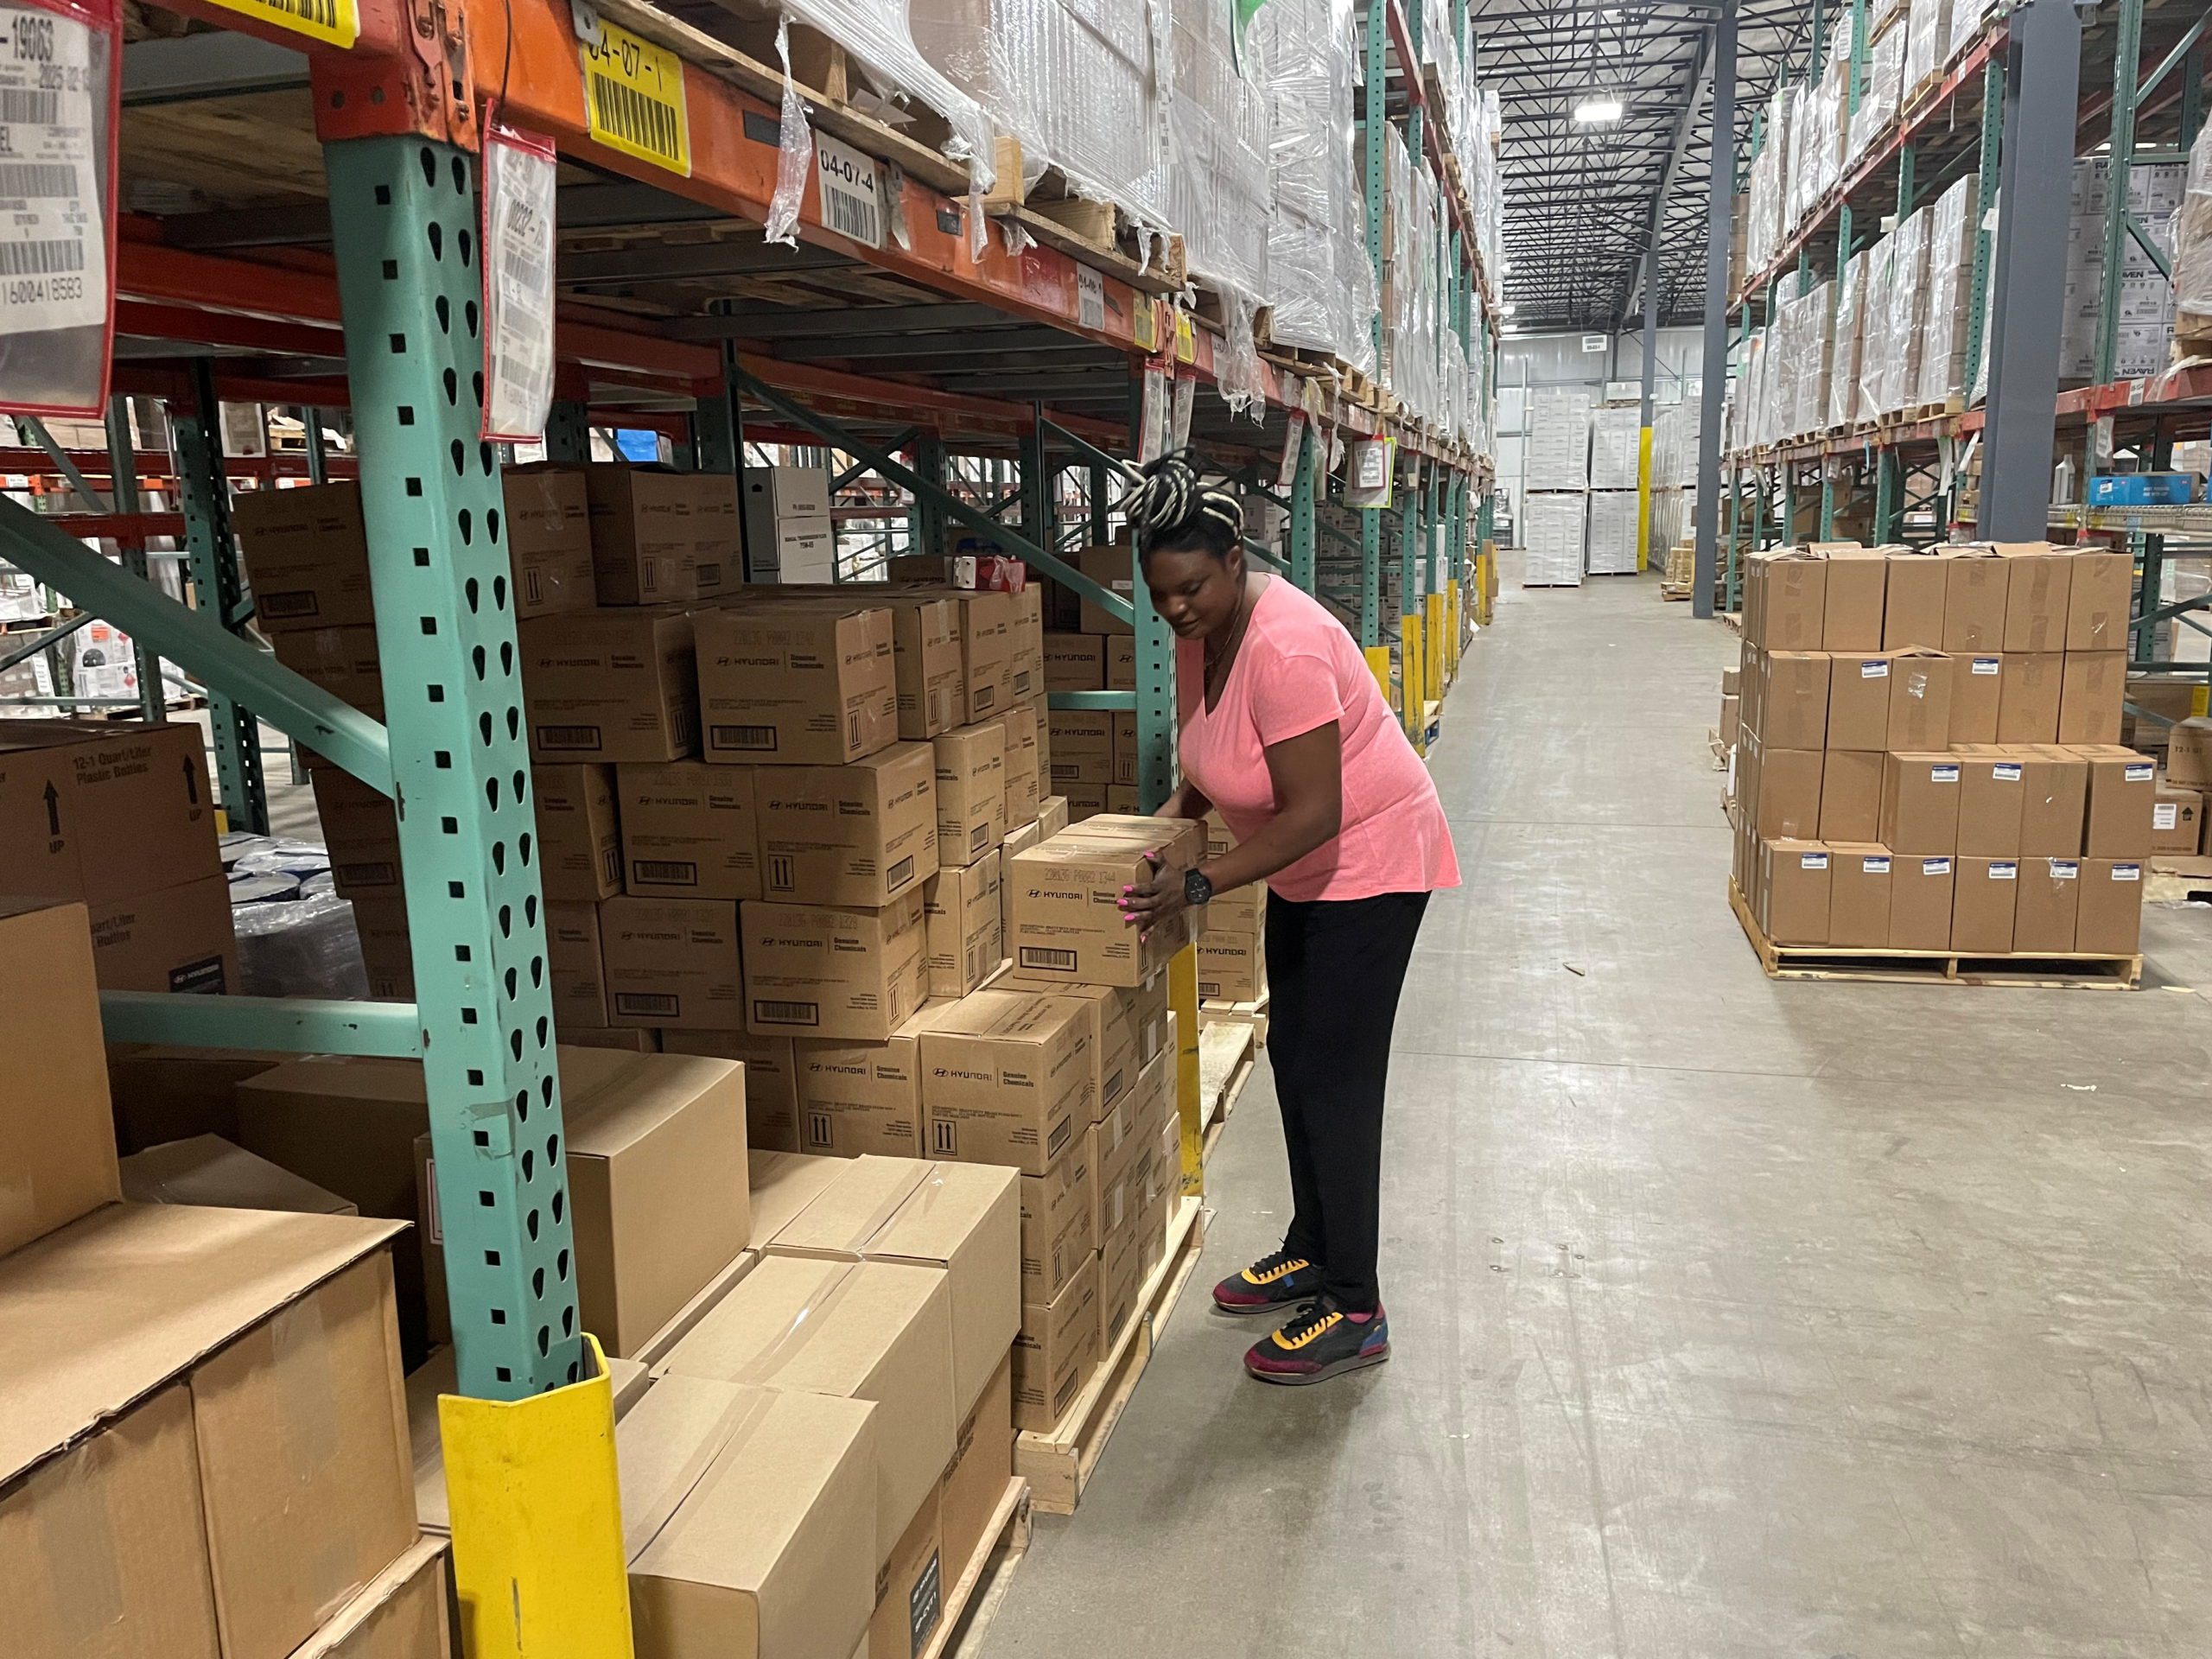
1188	802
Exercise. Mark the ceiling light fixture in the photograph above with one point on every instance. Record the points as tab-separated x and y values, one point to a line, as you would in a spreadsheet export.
1597	110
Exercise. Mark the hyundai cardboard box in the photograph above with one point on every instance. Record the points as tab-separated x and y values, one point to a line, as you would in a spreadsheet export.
1851	798
342	661
2092	685
1793	708
671	962
863	1098
1793	906
750	1521
59	1159
863	833
2055	804
962	911
1112	567
1025	766
579	833
1913	600
987	652
2177	821
1992	796
1977	694
660	539
1121	662
2108	917
689	830
833	972
874	1331
1984	893
1058	1225
2100	600
1921	888
1974	601
2044	911
1007	1078
548	539
771	1081
1113	1017
1858	895
1852	615
2027	711
575	967
306	553
2123	789
610	685
209	1170
1076	662
1056	1351
1232	966
1066	892
928	665
1120	1274
982	1463
1920	804
179	939
387	950
361	830
1083	745
798	681
1026	653
971	791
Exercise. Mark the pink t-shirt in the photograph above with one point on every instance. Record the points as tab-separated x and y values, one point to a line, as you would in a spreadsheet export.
1298	669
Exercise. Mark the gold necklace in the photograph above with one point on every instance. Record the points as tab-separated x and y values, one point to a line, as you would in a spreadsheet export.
1236	634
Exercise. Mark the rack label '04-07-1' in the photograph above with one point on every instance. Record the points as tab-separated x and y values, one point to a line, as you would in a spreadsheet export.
633	98
336	22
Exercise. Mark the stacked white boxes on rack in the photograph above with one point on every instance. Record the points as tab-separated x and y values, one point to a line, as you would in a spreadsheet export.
1556	481
1615	436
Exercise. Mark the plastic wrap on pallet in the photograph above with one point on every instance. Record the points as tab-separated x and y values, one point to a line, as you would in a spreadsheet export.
1928	43
1616	433
1321	283
2193	249
2145	321
1942	374
1877	100
1218	191
1559	439
1552	531
1898	294
1816	348
1076	87
1967	19
1844	358
299	947
1611	540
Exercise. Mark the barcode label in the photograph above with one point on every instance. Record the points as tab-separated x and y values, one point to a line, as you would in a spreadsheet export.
852	191
2137	774
741	737
1942	774
53	236
336	22
1090	298
567	737
1039	956
1874	866
1987	665
1812	860
520	180
666	872
37	178
2003	872
22	105
2127	872
380	874
631	119
899	874
286	605
787	1013
2164	815
2064	869
646	1003
2006	772
1934	867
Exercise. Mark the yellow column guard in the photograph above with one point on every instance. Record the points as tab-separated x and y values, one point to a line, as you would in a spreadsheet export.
1183	1002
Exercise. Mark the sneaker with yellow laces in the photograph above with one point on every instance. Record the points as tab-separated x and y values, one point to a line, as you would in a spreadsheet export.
1273	1282
1322	1341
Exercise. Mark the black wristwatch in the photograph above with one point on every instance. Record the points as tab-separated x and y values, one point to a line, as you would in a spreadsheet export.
1196	889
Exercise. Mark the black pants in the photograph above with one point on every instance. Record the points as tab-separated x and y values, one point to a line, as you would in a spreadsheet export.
1334	970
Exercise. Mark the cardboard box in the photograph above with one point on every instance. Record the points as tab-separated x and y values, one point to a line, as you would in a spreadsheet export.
2038	589
1860	692
1113	1017
1794	691
306	553
927	664
1120	1274
575	966
1974	601
775	495
1913	600
660	538
2043	910
797	683
2189	752
1794	891
129	813
1920	804
1984	893
1851	798
637	1039
962	911
1232	967
2054	803
874	1331
910	1587
671	962
1024	764
2093	684
1992	794
402	1613
1076	662
863	833
1066	892
1920	901
2177	820
2108	916
163	1093
610	685
1019	838
1920	700
689	830
1792	601
2123	788
209	1170
750	1520
1121	662
178	939
2027	711
971	792
1026	656
36	838
1059	1220
1977	694
1007	1078
129	1495
982	1463
360	829
782	1184
579	832
342	661
860	1098
963	1219
771	1082
387	950
60	1158
845	975
1114	567
548	539
987	652
2101	600
1057	1346
1785	800
1083	745
1858	895
1851	614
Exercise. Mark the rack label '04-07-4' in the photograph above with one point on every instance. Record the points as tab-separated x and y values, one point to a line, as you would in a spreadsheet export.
336	22
633	98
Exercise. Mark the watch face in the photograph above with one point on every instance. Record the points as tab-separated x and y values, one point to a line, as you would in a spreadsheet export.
1197	890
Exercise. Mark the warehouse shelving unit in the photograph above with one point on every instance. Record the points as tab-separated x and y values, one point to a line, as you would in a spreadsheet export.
917	355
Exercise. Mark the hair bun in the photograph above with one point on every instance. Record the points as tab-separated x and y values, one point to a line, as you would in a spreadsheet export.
1169	499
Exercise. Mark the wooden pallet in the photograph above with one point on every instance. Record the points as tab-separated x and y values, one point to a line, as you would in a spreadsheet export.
2175	878
1226	1051
971	1600
1254	1014
1058	1462
26	624
2062	971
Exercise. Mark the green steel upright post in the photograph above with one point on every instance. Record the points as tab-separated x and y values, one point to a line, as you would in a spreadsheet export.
403	216
1100	532
1889	497
1993	135
713	435
929	462
2192	96
568	431
1302	536
2127	65
1428	521
1409	536
1155	694
1370	576
123	492
1375	130
1905	181
1034	473
318	448
2151	553
212	561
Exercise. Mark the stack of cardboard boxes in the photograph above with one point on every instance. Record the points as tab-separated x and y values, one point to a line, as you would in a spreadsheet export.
1094	751
2185	788
789	534
204	1450
1233	939
1928	757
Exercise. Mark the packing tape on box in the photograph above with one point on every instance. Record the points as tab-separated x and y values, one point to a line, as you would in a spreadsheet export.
730	1433
73	1533
784	1346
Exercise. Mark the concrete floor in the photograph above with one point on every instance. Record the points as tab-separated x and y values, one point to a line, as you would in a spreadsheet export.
1731	1318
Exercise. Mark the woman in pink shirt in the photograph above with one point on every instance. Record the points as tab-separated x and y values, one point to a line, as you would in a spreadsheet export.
1286	734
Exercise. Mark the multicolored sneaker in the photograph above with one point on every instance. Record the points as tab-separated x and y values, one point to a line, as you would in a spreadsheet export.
1322	1341
1271	1282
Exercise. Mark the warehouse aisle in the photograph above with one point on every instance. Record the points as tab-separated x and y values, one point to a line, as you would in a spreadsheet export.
1731	1318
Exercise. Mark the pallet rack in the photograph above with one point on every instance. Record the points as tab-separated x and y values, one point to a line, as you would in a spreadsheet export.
352	285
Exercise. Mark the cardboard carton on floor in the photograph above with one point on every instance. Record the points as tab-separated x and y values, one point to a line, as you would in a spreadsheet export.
178	939
1006	1079
575	967
982	1463
610	685
689	830
2100	600
2177	821
1974	601
861	1098
1984	893
1992	794
1851	796
360	829
579	832
2123	788
402	1613
1056	1351
971	793
910	1586
209	1170
771	1081
673	961
835	973
1025	771
1786	605
963	910
306	553
1859	701
163	1093
1920	700
1794	891
1785	789
2028	706
1858	895
59	1160
782	1185
548	539
862	834
2043	912
1913	599
1794	691
1851	614
749	1517
1920	804
2108	917
1066	898
2092	684
1977	696
2039	591
874	1331
2189	752
659	537
1059	1223
2055	804
798	681
1921	888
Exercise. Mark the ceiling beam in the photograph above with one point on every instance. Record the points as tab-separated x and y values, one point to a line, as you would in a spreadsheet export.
1694	90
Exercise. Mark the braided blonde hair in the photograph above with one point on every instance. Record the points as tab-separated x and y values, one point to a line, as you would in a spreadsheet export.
1168	501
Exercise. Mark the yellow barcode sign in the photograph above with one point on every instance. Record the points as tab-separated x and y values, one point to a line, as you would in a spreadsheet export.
1186	339
1144	325
334	23
633	98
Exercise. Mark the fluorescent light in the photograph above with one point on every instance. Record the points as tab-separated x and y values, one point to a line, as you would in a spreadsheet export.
1597	110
